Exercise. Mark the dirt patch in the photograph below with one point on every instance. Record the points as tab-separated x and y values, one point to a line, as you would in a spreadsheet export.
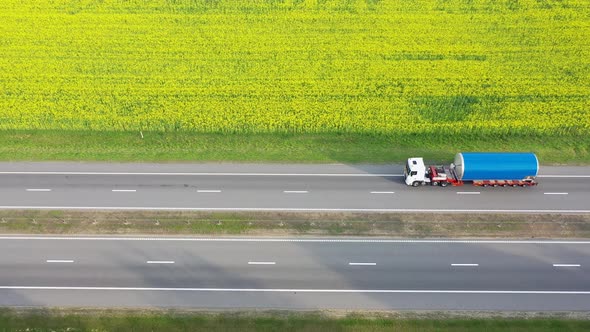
296	223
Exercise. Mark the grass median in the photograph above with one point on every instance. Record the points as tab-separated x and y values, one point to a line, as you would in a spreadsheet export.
416	225
72	320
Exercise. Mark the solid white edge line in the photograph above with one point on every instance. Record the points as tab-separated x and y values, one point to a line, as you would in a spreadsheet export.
262	263
208	191
295	290
160	262
363	264
555	193
124	190
464	264
38	189
139	208
59	261
317	240
566	265
295	191
209	174
382	192
246	174
562	176
468	193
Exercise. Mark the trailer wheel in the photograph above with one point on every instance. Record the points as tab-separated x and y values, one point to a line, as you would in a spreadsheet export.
515	185
495	185
415	183
505	185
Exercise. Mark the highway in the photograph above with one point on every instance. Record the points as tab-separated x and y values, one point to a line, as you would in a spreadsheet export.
274	187
302	273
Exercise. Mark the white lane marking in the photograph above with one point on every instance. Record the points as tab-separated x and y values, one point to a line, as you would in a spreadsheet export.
293	290
468	193
210	174
147	208
247	174
555	193
563	176
566	265
208	191
382	192
124	190
317	240
295	191
160	262
261	263
464	264
38	189
363	264
60	261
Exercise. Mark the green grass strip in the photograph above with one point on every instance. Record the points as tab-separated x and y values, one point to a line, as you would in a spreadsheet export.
195	223
303	148
114	321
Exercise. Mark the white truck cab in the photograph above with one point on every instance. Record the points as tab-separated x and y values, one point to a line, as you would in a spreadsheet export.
415	172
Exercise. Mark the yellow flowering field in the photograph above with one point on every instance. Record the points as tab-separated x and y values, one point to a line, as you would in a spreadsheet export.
303	66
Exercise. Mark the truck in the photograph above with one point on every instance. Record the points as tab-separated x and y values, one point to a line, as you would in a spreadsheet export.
506	169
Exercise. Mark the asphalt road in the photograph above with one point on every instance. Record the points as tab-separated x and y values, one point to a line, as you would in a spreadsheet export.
273	187
295	273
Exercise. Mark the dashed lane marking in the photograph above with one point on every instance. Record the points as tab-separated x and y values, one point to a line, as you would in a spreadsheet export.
464	264
60	261
160	262
566	265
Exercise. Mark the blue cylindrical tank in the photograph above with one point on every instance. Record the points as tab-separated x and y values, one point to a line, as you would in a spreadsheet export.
471	166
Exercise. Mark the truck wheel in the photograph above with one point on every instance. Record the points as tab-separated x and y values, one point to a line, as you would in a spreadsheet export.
515	185
444	184
435	183
416	184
